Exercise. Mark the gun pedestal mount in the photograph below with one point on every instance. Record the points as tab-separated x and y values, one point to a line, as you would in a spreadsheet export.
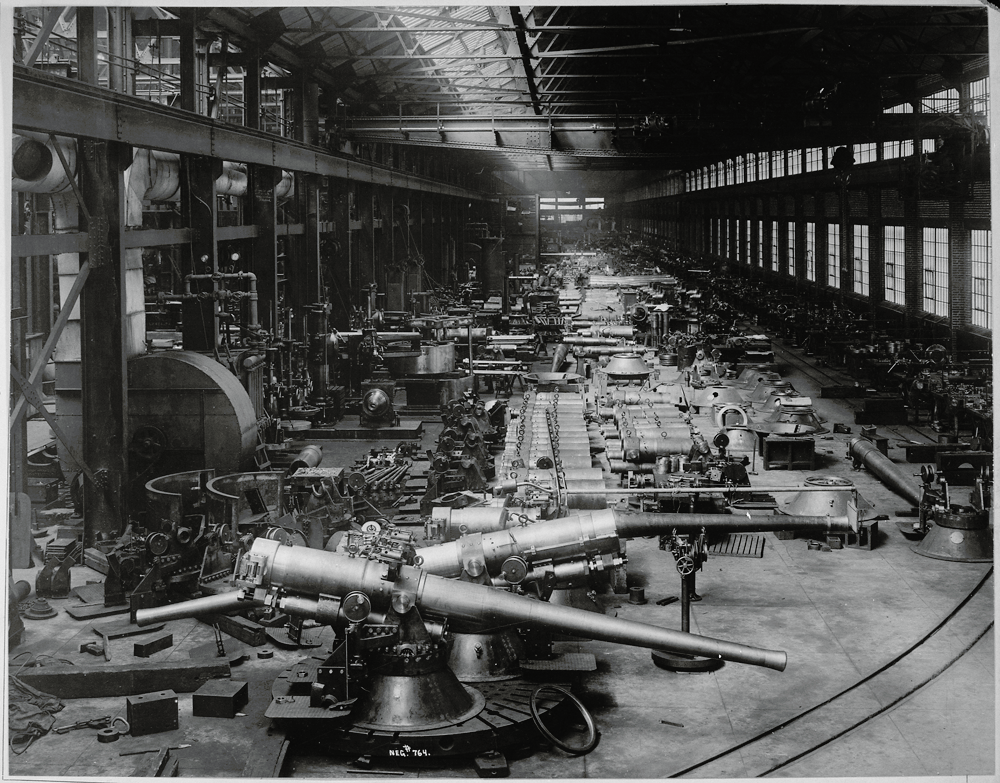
689	553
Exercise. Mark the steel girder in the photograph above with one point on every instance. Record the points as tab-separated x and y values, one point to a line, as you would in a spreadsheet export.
52	104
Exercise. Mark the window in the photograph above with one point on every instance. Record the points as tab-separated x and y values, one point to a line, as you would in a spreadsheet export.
979	96
778	164
833	255
546	203
928	145
730	172
774	245
899	108
794	162
814	159
748	258
862	273
895	264
936	270
791	247
763	165
865	153
594	203
725	238
760	243
982	279
897	149
751	167
739	167
941	102
810	251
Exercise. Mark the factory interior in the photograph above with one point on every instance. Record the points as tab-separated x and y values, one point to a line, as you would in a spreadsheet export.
583	391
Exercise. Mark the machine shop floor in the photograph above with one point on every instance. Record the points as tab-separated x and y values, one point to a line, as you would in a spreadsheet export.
840	615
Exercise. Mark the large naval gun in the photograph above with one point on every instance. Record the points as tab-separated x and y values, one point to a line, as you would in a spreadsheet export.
386	686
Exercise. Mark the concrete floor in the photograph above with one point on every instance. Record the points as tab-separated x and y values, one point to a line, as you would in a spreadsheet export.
839	615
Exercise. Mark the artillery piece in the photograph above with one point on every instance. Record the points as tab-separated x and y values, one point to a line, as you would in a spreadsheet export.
386	688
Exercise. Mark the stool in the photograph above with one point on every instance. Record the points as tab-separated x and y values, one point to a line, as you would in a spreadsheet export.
789	453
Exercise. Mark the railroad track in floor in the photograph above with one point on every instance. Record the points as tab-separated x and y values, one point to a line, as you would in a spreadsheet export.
816	727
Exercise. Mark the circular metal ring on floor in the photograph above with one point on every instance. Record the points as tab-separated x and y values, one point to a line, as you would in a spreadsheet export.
678	662
592	734
108	735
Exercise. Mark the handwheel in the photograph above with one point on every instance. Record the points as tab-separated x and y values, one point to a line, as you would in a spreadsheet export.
685	565
592	735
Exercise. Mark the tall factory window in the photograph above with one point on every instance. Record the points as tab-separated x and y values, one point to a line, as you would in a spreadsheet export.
895	264
730	169
749	240
725	238
774	245
814	159
979	96
901	148
791	248
833	255
936	270
982	279
794	162
810	251
763	165
739	167
778	163
713	175
760	243
751	167
865	153
941	102
862	273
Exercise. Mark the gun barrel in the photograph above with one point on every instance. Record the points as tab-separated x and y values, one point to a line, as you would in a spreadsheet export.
883	468
487	607
637	525
596	533
209	604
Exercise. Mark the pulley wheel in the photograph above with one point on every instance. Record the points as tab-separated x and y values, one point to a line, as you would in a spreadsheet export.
148	443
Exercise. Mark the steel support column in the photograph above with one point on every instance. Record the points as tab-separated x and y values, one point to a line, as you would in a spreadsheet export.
339	261
104	388
264	208
200	324
190	68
